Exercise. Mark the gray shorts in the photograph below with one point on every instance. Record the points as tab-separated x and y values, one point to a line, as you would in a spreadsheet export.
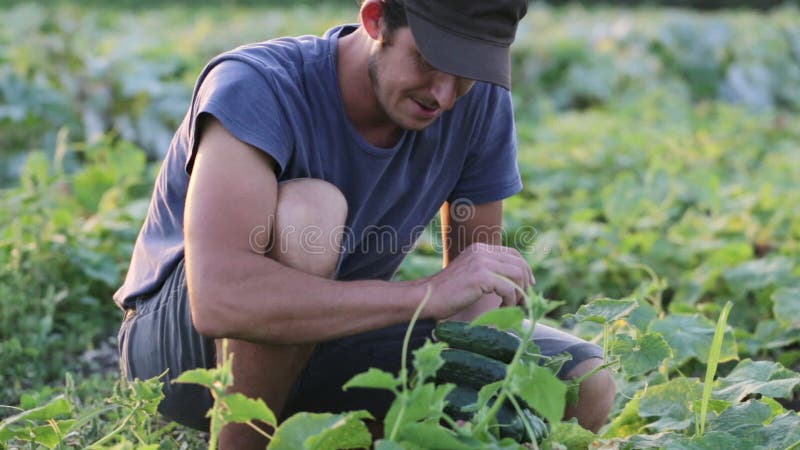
158	336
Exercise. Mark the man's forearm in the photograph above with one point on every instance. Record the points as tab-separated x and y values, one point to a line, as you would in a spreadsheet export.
255	298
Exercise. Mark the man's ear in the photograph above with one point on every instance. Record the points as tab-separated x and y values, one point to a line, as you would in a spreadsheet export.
371	15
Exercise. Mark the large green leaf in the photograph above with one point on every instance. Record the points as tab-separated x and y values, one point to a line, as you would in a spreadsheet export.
741	420
690	336
49	435
627	422
716	440
604	310
783	432
425	401
388	445
203	377
501	318
243	409
670	404
757	377
571	435
641	355
643	315
56	407
432	436
759	273
786	306
541	390
374	379
322	431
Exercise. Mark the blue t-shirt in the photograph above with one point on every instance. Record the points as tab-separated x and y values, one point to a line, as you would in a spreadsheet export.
283	97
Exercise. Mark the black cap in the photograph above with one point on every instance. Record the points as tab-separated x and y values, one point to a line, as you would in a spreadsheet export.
470	39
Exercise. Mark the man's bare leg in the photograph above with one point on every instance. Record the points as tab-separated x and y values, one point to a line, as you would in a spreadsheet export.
269	371
595	398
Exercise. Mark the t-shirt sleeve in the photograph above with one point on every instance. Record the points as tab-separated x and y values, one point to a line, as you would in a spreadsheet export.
243	99
491	171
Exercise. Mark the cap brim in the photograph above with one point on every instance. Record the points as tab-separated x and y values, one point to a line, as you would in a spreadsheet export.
459	55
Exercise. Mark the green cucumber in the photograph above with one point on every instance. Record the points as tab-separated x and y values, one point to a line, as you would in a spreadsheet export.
509	423
464	368
483	340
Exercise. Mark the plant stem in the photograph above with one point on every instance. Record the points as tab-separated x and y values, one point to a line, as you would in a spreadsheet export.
526	338
524	422
588	374
259	430
119	428
403	368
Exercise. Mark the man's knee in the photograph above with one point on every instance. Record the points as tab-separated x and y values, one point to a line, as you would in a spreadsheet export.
601	384
596	394
310	201
309	226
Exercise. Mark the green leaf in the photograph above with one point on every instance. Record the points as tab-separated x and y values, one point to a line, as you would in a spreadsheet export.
432	436
716	440
56	407
242	409
150	392
486	393
757	377
690	336
643	315
759	273
783	432
628	422
741	420
642	355
786	306
571	435
373	379
669	403
387	445
349	432
50	435
502	318
541	390
424	402
427	360
322	431
604	310
203	377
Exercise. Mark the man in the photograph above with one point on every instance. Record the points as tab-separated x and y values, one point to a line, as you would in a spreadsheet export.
303	172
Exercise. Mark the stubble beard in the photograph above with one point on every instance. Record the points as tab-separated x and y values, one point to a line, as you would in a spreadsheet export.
372	68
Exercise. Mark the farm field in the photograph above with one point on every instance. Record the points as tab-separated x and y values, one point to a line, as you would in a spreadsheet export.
660	152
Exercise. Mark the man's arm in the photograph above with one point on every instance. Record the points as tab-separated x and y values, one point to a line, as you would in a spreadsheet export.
236	292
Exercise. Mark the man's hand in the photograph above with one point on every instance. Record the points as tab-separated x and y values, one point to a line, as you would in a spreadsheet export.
481	269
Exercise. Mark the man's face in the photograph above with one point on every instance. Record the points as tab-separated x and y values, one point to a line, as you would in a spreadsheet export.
411	92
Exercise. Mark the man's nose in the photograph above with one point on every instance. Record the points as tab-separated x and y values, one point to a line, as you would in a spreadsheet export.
445	90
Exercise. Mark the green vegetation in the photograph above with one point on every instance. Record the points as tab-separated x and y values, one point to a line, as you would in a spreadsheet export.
659	150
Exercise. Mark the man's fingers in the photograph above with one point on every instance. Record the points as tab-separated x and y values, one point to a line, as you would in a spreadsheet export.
512	257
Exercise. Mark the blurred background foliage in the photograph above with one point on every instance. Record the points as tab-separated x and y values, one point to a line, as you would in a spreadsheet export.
659	149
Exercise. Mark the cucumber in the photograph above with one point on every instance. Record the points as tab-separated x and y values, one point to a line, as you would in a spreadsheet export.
509	423
464	368
457	400
485	341
538	426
